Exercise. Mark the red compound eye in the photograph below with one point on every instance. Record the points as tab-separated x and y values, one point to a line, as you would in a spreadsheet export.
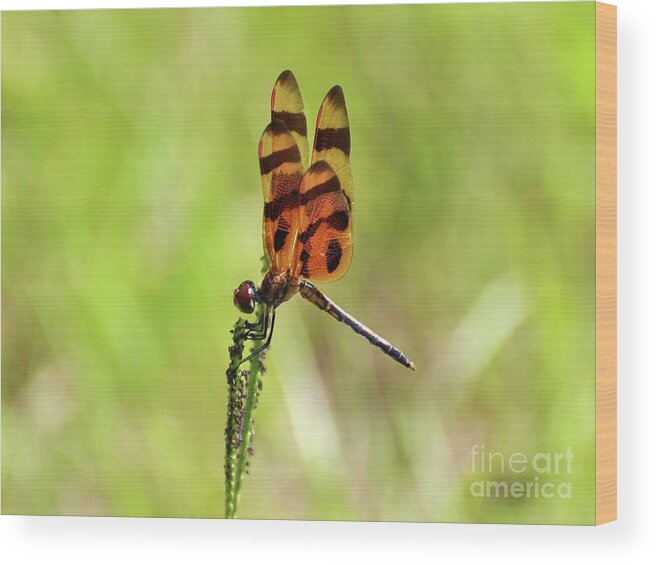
244	297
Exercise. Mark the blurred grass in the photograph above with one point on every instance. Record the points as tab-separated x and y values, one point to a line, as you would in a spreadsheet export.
131	208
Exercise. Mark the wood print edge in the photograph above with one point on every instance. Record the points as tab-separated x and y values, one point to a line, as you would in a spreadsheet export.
606	262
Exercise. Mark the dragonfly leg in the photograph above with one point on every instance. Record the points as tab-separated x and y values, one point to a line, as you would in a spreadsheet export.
258	330
266	345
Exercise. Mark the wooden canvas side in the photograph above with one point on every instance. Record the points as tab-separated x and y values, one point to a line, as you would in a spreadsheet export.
606	263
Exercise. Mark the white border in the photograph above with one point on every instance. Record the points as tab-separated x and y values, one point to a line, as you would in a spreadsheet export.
630	540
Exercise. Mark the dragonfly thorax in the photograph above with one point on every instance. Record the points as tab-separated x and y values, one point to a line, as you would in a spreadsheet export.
276	289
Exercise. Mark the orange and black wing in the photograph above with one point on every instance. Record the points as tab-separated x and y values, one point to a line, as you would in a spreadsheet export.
325	242
332	139
282	168
287	106
324	248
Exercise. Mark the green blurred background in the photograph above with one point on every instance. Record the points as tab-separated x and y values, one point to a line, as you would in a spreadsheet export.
131	208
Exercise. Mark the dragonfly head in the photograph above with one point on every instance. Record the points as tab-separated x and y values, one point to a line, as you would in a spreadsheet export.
245	297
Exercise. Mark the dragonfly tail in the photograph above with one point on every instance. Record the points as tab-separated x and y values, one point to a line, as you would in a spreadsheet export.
312	294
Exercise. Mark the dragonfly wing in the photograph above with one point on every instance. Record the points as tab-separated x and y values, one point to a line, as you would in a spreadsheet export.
325	245
332	140
282	168
287	106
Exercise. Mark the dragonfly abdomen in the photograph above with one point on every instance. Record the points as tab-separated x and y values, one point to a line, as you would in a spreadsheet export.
311	293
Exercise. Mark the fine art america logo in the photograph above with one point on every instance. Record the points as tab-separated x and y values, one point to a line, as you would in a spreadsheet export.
545	474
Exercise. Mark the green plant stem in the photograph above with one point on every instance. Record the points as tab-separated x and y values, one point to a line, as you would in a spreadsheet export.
243	392
248	431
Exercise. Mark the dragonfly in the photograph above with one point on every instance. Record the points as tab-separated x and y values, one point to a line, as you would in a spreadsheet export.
308	213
